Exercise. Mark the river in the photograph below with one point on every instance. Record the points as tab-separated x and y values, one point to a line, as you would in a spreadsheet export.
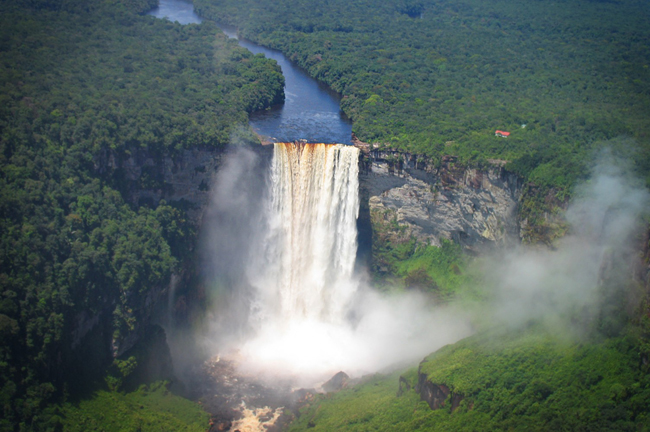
311	110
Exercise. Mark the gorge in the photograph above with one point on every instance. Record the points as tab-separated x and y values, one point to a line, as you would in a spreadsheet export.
309	310
193	238
406	196
294	311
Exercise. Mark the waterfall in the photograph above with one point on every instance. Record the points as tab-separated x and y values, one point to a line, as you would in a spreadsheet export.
310	249
297	309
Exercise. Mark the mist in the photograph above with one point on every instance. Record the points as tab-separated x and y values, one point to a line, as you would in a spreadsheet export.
568	287
326	318
232	229
573	286
388	331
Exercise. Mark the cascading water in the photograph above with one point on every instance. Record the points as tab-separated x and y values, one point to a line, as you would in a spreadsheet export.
303	273
312	241
295	308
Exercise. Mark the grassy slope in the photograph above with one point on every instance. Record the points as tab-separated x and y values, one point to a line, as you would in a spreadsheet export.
151	408
525	380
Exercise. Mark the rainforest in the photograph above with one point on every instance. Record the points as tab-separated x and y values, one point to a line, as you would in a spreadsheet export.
472	255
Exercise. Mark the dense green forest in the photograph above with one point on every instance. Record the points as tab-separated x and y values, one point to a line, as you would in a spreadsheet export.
86	84
439	77
82	83
524	380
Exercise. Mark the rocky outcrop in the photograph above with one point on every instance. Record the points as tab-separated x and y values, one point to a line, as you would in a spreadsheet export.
154	360
244	401
337	382
142	314
404	386
445	200
146	178
436	395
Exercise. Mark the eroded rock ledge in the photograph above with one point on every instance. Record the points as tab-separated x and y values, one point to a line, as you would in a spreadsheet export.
433	200
436	395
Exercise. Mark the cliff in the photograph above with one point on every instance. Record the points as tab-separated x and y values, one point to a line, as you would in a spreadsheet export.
416	197
183	180
436	395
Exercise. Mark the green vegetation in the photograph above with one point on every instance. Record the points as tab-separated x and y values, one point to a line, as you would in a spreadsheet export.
371	405
398	259
441	268
151	408
84	85
438	77
524	380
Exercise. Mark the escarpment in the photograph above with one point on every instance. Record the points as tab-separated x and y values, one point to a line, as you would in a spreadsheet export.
409	195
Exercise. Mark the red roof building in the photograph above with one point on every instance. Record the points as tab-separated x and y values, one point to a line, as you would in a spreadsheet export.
503	134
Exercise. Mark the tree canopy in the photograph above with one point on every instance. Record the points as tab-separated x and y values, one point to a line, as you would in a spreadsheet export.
83	83
439	78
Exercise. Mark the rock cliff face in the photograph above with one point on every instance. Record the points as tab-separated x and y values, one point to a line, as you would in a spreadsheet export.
142	178
436	395
147	178
446	201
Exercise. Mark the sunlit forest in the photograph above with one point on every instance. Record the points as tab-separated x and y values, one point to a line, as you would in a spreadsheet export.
440	77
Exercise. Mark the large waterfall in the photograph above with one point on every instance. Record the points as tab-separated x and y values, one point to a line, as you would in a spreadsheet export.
312	240
303	272
285	242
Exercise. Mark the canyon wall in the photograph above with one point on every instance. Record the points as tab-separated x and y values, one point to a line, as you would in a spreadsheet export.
146	178
143	178
416	197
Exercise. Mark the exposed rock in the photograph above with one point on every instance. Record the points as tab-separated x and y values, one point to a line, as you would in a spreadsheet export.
337	382
143	314
456	399
220	426
547	223
245	402
83	324
435	395
431	203
154	360
185	176
404	386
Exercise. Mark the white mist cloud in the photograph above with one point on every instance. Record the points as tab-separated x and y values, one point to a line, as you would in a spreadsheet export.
388	330
560	286
566	285
270	339
231	228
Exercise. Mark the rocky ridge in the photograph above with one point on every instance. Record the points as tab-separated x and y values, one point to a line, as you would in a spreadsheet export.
436	395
